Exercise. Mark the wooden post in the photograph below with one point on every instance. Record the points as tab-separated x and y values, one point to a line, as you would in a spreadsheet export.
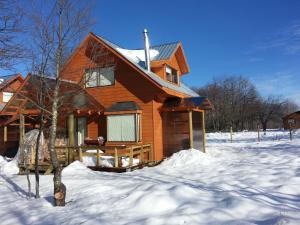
258	134
97	159
116	158
21	139
203	132
150	153
142	154
131	157
80	154
231	134
191	129
291	136
71	134
5	134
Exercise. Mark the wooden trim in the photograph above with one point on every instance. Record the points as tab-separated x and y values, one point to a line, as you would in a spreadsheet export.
203	131
124	112
191	129
122	143
179	109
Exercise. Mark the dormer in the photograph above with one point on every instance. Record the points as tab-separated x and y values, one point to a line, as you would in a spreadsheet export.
170	62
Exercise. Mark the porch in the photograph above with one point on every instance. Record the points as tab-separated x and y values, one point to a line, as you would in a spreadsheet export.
101	158
184	124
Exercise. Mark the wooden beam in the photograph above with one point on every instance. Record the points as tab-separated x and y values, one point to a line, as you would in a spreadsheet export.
71	130
5	134
191	129
71	134
203	132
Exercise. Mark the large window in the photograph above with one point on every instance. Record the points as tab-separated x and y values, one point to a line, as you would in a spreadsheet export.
7	96
172	75
123	127
98	77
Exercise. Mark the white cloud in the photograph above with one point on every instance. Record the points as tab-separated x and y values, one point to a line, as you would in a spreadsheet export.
285	84
286	39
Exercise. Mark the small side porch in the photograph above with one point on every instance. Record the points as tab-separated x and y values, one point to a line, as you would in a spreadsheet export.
184	124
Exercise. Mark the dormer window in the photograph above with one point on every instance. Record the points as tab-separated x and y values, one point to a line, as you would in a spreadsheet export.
171	75
99	77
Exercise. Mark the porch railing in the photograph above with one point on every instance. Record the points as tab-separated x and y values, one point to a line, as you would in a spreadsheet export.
143	152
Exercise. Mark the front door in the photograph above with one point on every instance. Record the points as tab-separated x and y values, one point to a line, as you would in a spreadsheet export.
81	130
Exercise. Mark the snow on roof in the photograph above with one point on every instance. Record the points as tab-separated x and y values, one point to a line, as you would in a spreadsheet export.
138	55
135	57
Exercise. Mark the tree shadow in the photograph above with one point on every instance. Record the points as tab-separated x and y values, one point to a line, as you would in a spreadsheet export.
15	187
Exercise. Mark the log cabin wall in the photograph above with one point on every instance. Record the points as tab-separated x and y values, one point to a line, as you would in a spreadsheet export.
294	117
10	88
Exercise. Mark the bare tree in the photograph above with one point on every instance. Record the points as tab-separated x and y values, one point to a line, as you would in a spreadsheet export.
269	109
11	48
234	99
55	35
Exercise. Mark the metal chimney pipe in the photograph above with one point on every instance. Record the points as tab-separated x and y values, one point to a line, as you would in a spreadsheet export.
147	50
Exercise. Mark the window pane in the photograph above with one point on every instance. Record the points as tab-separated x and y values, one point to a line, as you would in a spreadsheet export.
107	76
122	128
114	128
7	96
128	127
175	80
91	78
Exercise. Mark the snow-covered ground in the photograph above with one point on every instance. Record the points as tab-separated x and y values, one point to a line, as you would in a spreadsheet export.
239	183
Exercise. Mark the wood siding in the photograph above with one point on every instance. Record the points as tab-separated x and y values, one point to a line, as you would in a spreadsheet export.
175	132
129	86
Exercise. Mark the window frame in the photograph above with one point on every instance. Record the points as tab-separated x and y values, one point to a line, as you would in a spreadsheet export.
98	76
137	126
173	75
8	95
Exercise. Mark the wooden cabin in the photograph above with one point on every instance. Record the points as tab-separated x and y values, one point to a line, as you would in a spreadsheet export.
9	84
139	95
291	121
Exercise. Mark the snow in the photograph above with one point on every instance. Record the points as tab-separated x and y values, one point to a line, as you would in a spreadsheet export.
8	166
137	55
107	161
240	183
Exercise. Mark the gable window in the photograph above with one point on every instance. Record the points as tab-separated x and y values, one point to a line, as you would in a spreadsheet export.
125	127
7	96
99	77
172	75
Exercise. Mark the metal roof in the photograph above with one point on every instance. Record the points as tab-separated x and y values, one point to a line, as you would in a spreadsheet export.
165	51
181	89
190	102
6	78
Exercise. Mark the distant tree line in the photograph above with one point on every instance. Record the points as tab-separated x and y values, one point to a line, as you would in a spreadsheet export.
238	104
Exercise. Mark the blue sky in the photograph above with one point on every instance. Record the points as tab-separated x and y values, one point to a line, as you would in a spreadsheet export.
254	38
259	39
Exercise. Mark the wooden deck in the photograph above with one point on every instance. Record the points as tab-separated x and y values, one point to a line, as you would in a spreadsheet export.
117	154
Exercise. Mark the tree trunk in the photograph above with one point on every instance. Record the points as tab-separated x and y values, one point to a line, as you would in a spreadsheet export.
59	187
37	176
